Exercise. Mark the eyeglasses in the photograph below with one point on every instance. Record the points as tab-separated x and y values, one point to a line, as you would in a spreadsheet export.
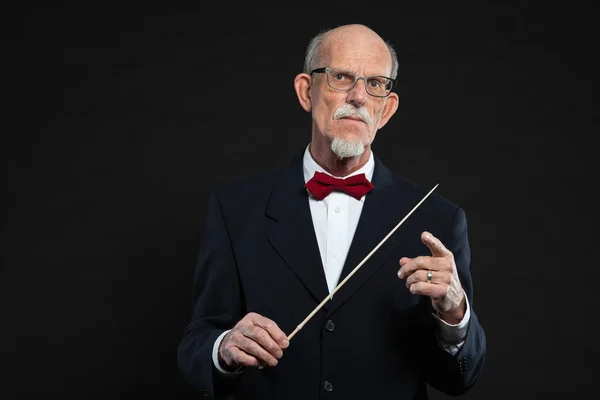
340	79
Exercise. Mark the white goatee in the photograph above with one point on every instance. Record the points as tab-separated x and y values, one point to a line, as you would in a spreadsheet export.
346	148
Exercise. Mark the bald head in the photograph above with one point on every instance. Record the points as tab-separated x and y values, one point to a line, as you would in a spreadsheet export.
352	35
347	39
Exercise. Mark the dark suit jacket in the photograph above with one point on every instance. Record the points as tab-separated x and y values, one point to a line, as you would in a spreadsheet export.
374	340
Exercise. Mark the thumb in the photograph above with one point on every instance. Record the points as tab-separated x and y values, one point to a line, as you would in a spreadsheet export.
435	245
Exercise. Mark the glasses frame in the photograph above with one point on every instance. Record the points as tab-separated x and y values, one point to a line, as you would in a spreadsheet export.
326	70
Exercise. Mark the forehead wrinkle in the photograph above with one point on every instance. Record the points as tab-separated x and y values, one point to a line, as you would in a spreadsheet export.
356	53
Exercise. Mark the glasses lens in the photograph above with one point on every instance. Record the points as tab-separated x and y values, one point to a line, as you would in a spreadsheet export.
340	79
379	85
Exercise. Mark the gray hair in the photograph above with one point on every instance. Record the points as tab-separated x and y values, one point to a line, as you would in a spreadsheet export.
314	49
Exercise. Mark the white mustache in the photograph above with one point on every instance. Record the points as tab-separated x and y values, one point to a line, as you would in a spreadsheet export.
349	111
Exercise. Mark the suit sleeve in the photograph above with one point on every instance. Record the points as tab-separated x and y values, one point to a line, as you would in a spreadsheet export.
216	307
456	374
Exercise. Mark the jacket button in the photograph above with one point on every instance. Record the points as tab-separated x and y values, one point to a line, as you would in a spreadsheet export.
327	386
330	326
462	365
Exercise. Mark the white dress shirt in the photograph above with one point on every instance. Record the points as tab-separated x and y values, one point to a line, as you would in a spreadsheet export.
335	219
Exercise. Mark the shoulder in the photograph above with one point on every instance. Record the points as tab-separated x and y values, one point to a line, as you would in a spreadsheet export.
435	207
254	190
436	198
245	192
247	185
437	214
416	191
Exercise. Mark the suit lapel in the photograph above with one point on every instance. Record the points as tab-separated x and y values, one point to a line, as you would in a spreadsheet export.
291	230
384	208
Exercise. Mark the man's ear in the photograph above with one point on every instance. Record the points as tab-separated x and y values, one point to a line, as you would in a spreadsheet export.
391	105
302	84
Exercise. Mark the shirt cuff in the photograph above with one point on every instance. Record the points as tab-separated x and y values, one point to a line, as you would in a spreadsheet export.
451	337
215	357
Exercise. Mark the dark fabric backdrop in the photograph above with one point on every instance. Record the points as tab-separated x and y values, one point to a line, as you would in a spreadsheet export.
118	121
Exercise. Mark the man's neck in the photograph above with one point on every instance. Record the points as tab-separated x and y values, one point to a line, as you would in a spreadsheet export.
337	166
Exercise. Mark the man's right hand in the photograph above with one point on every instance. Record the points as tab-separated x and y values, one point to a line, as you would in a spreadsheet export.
255	341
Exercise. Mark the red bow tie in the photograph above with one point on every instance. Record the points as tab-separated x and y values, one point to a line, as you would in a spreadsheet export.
320	185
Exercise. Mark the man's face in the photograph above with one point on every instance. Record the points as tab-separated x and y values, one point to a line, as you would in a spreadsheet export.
365	57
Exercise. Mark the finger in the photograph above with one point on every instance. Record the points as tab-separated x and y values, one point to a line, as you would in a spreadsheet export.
421	275
253	348
404	261
242	358
428	289
272	329
421	262
262	337
435	245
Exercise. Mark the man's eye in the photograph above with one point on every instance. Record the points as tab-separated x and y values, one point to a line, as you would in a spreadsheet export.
342	77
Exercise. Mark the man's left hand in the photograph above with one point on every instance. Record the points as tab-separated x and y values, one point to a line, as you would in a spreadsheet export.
444	287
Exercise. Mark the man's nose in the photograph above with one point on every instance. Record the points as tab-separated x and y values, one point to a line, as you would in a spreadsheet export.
358	94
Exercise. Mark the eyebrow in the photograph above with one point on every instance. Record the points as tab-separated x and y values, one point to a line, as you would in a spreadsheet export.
356	73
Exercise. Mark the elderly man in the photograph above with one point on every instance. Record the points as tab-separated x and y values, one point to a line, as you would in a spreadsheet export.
276	246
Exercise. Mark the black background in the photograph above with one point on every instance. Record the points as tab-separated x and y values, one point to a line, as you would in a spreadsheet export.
118	121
